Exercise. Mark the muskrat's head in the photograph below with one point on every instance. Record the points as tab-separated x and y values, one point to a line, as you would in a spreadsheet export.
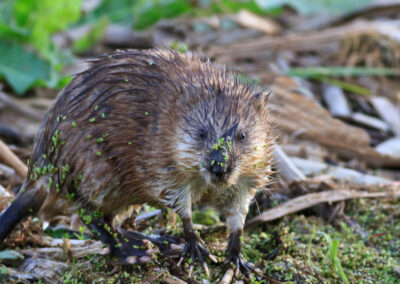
224	137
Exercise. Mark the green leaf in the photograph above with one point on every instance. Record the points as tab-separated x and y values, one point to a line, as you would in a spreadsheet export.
116	11
148	12
45	17
92	37
315	6
20	67
234	6
3	270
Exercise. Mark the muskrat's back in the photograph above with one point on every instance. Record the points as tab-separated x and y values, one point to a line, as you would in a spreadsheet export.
107	129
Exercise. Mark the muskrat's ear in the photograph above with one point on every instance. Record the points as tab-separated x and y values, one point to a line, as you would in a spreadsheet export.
261	99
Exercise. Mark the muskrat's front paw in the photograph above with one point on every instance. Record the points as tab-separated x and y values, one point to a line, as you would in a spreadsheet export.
196	250
240	264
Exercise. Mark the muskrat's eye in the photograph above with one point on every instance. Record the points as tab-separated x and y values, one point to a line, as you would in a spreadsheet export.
202	133
242	136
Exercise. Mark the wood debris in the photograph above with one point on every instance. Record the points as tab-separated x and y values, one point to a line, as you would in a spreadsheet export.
312	199
248	20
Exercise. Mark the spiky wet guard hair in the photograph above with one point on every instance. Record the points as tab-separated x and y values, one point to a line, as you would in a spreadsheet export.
117	126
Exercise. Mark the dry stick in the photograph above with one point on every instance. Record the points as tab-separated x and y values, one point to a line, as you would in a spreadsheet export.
227	279
311	199
287	169
24	110
298	42
12	160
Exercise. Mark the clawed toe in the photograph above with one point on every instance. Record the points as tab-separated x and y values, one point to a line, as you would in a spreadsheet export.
240	265
196	250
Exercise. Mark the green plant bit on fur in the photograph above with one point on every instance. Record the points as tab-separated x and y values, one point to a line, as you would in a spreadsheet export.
99	140
73	124
98	214
229	143
92	119
96	107
50	182
98	153
219	144
55	137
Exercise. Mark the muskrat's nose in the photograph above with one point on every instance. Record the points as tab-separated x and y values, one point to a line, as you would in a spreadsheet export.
219	169
218	164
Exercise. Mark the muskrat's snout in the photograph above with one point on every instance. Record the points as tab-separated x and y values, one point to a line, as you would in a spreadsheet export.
218	165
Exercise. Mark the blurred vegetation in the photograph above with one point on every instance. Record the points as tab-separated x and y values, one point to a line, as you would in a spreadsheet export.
29	57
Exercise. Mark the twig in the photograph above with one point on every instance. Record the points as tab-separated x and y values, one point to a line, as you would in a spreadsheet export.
12	160
24	110
287	169
298	42
227	277
349	176
311	199
6	171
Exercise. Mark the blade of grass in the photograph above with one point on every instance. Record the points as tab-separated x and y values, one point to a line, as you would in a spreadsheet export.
341	71
333	252
346	86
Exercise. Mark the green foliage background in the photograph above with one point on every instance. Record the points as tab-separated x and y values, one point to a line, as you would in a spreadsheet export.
28	56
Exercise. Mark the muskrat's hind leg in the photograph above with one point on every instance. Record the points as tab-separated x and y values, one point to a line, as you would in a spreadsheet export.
28	202
120	246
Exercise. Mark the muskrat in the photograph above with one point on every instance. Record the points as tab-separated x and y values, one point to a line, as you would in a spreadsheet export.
154	127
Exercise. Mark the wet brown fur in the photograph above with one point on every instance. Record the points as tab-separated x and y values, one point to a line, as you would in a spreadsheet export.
122	122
